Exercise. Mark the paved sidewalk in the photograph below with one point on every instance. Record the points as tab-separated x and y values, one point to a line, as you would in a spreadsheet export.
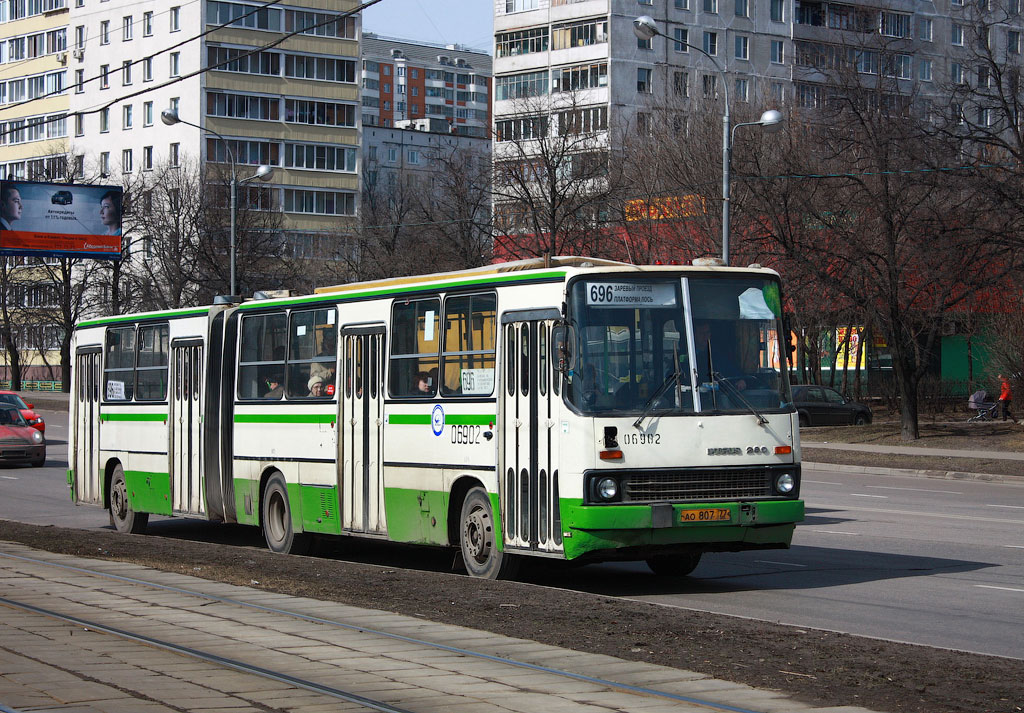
915	451
51	665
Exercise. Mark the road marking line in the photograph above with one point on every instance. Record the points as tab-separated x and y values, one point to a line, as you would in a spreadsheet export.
835	532
916	490
1015	547
866	495
820	482
1015	507
917	513
9	477
785	564
1005	589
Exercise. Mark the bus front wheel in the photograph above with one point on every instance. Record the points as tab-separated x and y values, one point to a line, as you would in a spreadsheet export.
122	516
674	565
477	539
276	518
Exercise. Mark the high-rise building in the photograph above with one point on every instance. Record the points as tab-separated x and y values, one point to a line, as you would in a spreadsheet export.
406	80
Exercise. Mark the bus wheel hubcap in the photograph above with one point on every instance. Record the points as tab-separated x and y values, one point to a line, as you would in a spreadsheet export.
477	542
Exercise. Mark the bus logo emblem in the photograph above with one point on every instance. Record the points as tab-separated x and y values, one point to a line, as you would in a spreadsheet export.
437	420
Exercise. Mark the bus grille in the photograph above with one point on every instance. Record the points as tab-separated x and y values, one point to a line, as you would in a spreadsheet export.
691	485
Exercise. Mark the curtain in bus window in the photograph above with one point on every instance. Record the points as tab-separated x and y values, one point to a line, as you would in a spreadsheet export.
312	354
151	373
469	336
119	374
262	356
414	348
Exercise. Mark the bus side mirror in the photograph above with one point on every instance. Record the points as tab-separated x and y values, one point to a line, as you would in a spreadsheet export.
563	354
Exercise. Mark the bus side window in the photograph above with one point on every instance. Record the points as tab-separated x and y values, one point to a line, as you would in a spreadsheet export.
119	370
469	337
414	346
151	370
261	357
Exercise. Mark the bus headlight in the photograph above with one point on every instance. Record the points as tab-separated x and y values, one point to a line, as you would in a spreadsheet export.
785	483
607	488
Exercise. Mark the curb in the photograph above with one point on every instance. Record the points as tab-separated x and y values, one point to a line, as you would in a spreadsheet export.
933	474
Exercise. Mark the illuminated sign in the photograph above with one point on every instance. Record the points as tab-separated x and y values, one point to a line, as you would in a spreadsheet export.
664	208
59	219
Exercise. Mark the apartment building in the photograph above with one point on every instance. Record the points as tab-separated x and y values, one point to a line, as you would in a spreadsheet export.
293	106
406	80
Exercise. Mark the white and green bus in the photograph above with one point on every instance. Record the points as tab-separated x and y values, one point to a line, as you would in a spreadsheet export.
581	409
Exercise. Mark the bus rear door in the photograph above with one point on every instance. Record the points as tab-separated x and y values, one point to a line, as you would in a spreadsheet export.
86	443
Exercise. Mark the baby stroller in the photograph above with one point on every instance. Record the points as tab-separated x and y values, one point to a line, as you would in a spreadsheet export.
986	410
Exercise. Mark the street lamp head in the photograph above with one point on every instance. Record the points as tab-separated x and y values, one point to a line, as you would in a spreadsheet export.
771	120
644	27
264	172
170	117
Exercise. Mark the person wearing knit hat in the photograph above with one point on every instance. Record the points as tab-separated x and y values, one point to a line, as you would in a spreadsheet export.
315	386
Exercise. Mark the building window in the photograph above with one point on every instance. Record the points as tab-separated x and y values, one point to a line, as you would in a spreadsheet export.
682	37
742	90
742	47
147	69
711	6
175	63
126	72
126	161
126	116
682	4
957	35
126	28
79	81
924	29
1013	42
643	80
175	16
776	10
778	52
925	70
105	164
711	43
147	24
741	8
642	44
147	113
79	125
105	32
80	37
710	83
895	24
104	120
172	155
680	84
778	90
956	73
413	156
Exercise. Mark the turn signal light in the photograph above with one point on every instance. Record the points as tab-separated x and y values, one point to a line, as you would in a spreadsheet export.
611	455
783	450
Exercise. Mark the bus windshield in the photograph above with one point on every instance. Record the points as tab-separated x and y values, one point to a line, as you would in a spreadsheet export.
670	345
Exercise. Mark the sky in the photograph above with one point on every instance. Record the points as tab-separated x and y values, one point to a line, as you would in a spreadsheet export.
463	22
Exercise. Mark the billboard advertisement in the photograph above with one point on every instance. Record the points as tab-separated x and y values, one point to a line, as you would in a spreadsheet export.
60	219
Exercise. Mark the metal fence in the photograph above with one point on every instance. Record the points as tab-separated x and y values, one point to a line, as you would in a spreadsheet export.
34	385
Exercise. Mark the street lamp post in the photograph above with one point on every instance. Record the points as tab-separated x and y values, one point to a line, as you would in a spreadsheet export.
645	28
264	172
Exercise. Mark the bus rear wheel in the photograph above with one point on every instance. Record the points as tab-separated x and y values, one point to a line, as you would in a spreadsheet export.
122	516
477	540
678	565
276	519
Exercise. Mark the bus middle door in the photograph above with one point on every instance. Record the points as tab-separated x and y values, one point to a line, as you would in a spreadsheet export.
86	438
186	425
529	448
362	430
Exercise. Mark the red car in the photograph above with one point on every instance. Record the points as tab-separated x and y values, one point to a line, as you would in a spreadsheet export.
34	419
19	442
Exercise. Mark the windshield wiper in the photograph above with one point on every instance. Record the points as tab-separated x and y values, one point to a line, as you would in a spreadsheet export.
731	388
671	380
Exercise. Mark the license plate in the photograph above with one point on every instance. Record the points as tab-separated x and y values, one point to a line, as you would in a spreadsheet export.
705	515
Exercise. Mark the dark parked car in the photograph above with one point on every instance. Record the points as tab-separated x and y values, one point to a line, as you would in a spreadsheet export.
822	406
61	198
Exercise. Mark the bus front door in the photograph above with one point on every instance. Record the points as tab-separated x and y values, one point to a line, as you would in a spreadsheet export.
362	430
86	443
529	449
186	419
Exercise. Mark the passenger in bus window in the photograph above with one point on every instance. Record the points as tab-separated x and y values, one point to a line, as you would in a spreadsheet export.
316	387
423	387
275	387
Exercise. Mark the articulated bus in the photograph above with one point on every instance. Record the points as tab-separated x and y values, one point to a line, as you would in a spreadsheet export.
577	409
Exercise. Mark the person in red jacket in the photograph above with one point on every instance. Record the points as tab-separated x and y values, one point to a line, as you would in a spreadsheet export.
1005	396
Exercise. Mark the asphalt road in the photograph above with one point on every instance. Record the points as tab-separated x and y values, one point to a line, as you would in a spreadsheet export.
910	559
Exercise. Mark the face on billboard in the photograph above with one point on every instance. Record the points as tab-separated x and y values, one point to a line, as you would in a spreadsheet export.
10	205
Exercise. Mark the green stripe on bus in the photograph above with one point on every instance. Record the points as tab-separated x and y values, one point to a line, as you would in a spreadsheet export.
133	417
471	419
285	418
391	291
144	316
